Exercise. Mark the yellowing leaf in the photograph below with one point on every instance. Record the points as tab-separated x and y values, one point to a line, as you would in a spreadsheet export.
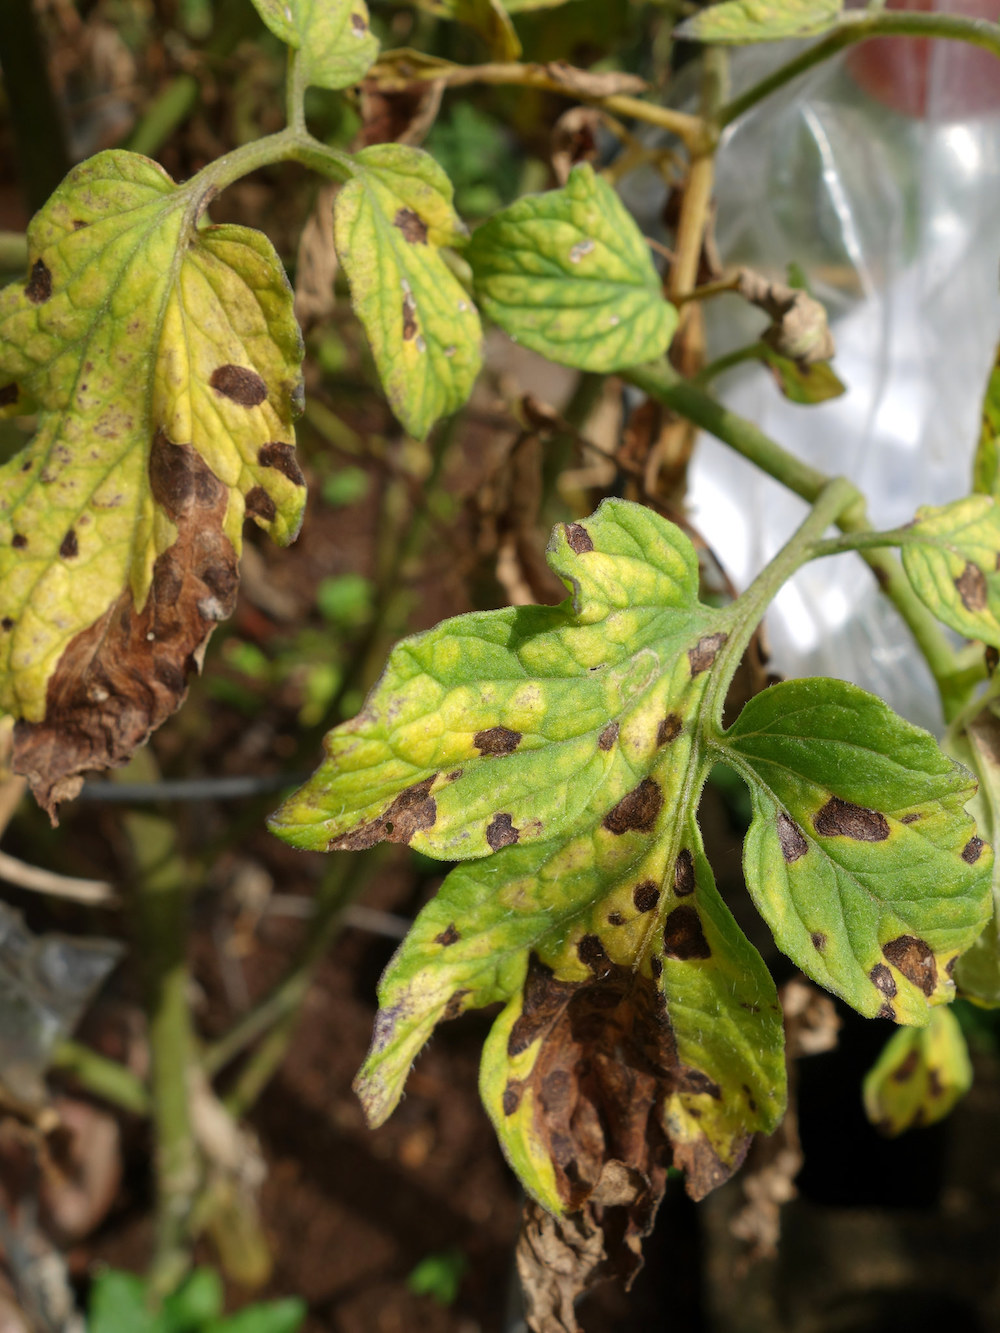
390	222
950	557
986	468
978	746
920	1075
333	37
743	21
164	360
488	18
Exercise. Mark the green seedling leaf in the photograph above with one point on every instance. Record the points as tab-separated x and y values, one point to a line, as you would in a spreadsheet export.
977	972
919	1077
285	1316
569	275
164	358
439	1276
197	1301
390	221
333	38
986	467
806	385
743	21
951	559
861	857
118	1304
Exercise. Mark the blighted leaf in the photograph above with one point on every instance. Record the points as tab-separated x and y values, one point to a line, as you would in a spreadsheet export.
860	857
920	1075
986	467
164	359
799	330
333	38
808	385
977	972
743	21
951	560
568	274
390	221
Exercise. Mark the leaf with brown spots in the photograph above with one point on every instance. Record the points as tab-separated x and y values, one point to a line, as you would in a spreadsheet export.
951	557
920	1075
164	362
977	973
834	853
390	221
333	38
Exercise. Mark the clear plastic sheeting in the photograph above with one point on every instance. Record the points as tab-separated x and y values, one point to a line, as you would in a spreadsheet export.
894	220
46	982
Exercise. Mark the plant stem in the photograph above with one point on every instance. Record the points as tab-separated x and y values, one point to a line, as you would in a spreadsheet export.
859	27
102	1077
753	352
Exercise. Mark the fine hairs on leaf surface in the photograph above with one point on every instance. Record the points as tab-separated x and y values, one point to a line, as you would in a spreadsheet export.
560	752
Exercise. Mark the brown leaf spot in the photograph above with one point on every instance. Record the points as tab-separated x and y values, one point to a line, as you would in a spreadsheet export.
500	832
19	541
915	959
705	651
592	954
637	810
454	775
683	936
8	395
543	1000
455	1005
645	896
121	678
971	586
359	25
887	1011
410	325
668	729
412	811
615	919
496	741
911	818
656	966
239	384
818	940
841	819
282	458
69	546
608	736
578	537
412	225
684	882
972	850
512	1096
905	1071
934	1086
39	287
260	505
6	624
448	936
883	980
793	844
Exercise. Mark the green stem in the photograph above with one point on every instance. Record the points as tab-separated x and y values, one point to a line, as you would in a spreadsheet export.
753	352
102	1077
859	27
295	93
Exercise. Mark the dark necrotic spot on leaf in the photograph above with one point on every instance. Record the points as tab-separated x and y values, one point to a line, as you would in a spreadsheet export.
592	954
972	850
543	1000
412	225
694	1080
668	729
6	623
911	818
454	775
656	966
971	586
934	1086
841	819
413	810
683	936
497	740
578	538
79	224
8	395
281	457
645	896
500	832
887	1011
905	1070
793	844
554	1095
448	936
19	541
915	959
69	546
637	810
883	980
512	1096
39	287
456	1003
608	736
818	940
705	651
260	504
239	384
684	873
180	479
615	919
410	325
359	25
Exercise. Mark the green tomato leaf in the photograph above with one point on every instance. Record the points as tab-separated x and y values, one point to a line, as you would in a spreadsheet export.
118	1304
197	1300
333	37
986	467
807	385
977	972
285	1316
743	21
488	18
920	1075
164	358
951	559
568	274
390	221
860	856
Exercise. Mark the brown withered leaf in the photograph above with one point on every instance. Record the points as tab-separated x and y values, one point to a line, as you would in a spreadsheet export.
799	328
574	140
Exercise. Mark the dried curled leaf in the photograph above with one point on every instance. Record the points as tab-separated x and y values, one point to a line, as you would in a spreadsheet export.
164	359
919	1077
799	330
